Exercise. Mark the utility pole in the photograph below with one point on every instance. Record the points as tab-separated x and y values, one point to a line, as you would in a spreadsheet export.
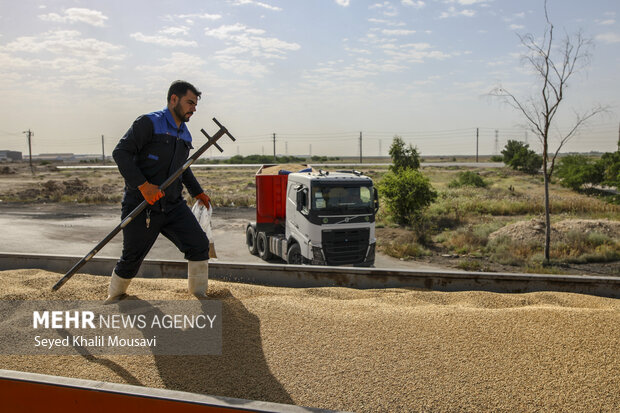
526	137
286	148
310	150
496	142
274	149
380	153
476	145
618	136
361	147
102	150
30	134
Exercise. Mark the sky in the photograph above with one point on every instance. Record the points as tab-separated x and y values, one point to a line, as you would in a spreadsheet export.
317	73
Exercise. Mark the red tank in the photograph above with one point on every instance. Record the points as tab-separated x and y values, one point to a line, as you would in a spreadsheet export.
270	195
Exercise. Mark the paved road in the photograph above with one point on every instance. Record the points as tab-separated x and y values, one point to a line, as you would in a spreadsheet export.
76	229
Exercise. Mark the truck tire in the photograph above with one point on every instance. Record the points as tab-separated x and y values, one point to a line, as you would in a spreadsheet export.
293	256
262	245
250	240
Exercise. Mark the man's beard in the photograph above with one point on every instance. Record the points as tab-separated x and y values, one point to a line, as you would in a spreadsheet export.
178	111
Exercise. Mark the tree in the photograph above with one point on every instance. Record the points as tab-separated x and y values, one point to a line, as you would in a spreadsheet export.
579	170
406	190
610	164
406	193
403	156
554	65
518	156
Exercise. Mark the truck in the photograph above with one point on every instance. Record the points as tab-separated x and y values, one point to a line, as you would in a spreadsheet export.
316	217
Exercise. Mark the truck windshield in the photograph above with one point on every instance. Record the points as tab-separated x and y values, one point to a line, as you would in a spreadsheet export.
345	199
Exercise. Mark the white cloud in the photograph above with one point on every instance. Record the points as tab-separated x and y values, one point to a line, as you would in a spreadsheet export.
245	46
516	27
468	2
453	12
402	54
386	7
386	22
232	32
189	18
397	32
607	22
201	16
514	17
161	40
256	3
413	3
251	40
608	37
175	31
60	57
75	15
241	66
343	3
177	65
66	43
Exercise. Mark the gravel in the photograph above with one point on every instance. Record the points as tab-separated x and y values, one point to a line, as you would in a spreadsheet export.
368	350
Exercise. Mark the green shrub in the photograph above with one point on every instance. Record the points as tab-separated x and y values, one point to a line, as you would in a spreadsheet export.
575	171
518	156
468	178
405	194
610	164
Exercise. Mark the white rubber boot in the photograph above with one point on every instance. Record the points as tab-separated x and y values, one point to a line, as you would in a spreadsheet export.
118	287
198	278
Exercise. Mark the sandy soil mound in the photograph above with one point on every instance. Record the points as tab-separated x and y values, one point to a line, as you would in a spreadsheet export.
534	230
370	350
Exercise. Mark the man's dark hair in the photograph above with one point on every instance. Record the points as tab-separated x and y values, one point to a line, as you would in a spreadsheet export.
180	88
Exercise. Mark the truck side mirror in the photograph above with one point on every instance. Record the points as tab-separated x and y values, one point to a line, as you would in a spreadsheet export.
376	199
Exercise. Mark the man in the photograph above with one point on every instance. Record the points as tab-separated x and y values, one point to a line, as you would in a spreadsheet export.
154	147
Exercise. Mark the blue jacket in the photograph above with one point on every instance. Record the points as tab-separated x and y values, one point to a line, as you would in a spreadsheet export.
152	150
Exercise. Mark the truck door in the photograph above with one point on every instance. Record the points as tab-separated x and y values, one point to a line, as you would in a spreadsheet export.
296	216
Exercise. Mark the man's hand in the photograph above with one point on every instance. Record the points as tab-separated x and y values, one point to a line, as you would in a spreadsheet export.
204	198
151	192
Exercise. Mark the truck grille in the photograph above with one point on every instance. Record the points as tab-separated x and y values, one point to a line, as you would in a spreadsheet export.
345	246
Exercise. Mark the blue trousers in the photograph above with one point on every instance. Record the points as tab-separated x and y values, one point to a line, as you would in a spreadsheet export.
178	225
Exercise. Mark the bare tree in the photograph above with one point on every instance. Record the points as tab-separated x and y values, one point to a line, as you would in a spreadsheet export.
553	66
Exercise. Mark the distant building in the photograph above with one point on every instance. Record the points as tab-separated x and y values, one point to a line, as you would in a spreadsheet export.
54	157
8	156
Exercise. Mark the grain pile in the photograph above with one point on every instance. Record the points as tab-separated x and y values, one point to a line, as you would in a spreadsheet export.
369	351
291	167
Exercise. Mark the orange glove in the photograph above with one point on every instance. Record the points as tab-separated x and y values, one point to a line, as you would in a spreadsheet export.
151	192
204	198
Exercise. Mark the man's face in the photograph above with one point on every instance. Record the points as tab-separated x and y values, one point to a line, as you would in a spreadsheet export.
185	106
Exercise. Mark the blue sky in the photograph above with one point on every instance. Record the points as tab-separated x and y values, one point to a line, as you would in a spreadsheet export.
315	72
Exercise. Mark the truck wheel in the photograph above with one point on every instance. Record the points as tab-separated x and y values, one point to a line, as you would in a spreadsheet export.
262	245
294	256
250	240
